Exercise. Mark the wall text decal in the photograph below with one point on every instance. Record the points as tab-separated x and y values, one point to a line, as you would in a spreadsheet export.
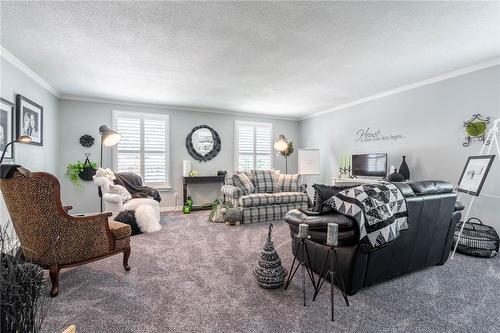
369	135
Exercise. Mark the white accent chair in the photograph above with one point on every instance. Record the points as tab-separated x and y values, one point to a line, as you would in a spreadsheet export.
115	203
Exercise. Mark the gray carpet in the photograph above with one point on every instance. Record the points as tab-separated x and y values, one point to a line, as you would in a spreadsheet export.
194	276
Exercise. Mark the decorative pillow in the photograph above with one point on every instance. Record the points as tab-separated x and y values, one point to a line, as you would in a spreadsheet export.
241	180
265	181
325	192
289	183
249	174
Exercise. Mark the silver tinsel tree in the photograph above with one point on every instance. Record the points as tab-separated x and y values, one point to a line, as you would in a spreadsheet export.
269	272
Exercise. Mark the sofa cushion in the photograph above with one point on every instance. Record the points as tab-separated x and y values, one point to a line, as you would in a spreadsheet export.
289	183
290	197
119	230
265	181
244	183
431	187
257	199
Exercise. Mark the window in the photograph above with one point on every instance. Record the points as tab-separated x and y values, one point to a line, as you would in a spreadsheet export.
144	146
253	147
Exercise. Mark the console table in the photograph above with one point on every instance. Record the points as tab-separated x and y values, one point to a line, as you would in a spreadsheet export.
354	181
199	180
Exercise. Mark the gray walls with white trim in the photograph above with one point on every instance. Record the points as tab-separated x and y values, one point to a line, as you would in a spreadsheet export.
79	117
430	119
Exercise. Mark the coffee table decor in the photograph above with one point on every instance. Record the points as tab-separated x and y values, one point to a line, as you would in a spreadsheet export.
301	254
269	272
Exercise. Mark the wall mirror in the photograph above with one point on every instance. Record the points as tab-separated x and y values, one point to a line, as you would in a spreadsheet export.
203	143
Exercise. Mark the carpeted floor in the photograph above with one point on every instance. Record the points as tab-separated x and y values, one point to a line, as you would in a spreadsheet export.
194	276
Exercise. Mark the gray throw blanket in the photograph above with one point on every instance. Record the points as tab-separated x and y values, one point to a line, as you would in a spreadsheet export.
133	184
379	209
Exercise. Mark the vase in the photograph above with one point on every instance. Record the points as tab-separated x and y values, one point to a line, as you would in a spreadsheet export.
396	176
404	170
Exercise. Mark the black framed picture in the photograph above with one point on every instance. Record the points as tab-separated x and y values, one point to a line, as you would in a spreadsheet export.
29	119
6	127
474	174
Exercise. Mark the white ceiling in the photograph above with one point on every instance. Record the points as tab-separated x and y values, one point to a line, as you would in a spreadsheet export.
272	58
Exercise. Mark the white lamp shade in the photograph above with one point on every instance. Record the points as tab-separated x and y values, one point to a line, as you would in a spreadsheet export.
309	161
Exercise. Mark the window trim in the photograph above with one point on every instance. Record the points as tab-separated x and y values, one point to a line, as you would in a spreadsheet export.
235	139
141	115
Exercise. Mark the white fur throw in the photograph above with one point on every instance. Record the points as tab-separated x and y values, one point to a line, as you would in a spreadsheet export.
146	219
120	190
105	173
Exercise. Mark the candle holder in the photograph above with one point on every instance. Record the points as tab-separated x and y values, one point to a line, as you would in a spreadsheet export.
300	250
345	171
332	256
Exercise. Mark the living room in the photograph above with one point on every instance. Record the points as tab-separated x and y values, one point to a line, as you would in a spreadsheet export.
198	94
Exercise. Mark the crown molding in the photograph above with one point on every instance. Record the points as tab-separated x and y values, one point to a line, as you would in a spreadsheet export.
179	108
28	71
434	79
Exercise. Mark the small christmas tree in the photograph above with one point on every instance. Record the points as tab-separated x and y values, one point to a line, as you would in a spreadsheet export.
269	272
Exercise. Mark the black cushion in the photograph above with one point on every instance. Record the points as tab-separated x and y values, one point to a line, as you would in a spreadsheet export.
405	189
431	187
128	217
324	192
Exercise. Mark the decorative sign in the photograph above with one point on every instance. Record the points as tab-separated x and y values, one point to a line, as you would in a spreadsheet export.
369	135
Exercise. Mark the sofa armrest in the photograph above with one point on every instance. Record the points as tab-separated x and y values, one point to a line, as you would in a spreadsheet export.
231	191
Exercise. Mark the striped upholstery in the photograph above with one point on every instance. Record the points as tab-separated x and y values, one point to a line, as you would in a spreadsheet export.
264	181
244	183
260	207
257	199
269	213
290	197
289	183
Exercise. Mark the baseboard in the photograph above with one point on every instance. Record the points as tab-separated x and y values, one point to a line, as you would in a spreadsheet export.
171	209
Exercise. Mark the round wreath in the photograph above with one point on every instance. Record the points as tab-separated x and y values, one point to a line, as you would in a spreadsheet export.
87	141
211	154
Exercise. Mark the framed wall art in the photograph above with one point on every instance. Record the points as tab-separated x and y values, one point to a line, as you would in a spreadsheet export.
29	119
474	174
6	127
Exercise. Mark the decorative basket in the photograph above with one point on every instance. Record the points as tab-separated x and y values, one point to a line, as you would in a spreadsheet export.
477	239
88	171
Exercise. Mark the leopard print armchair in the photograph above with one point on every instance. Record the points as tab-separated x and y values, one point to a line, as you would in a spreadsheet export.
52	238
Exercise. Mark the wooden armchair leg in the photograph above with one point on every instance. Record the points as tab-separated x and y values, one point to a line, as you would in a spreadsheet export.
54	278
126	255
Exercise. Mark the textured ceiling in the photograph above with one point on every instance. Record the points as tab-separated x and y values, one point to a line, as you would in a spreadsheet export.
273	58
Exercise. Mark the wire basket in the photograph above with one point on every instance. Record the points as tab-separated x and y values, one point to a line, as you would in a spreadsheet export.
477	239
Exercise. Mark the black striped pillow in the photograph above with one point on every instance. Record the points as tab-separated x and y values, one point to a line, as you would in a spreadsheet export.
241	180
265	181
289	183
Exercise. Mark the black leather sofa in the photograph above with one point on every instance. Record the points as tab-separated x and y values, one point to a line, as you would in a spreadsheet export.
432	215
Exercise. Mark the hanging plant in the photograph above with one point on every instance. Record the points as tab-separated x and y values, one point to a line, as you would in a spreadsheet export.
81	171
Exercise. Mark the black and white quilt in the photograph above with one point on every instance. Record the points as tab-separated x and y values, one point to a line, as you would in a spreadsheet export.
379	209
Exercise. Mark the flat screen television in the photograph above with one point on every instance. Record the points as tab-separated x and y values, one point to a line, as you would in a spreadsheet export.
374	165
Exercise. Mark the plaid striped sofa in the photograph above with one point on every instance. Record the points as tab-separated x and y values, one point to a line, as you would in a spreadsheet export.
261	207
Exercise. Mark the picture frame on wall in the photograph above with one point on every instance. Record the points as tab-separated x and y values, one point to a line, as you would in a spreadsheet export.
7	127
29	118
474	174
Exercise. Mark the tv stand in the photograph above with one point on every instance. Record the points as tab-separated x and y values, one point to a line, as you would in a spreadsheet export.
353	181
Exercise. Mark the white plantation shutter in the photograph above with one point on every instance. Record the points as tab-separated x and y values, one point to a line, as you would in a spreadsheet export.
253	146
143	148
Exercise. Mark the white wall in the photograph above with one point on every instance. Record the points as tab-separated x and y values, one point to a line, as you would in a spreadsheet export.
36	158
431	120
79	117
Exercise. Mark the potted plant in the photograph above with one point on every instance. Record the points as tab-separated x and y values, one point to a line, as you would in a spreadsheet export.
81	171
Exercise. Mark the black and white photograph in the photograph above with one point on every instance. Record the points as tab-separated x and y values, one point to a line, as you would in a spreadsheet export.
29	119
474	174
6	126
